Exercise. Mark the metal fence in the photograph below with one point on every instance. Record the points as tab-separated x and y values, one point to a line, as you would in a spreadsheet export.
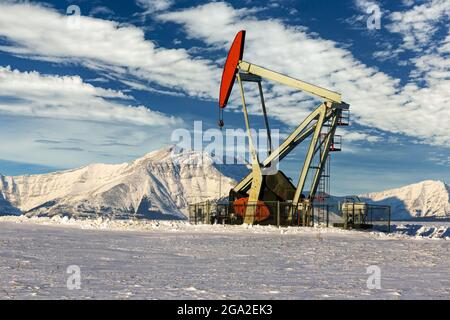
322	214
380	217
286	214
267	213
361	215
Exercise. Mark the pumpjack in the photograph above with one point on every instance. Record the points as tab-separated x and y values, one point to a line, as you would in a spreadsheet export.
252	193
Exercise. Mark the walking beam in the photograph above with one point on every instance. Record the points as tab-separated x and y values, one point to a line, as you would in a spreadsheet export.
292	82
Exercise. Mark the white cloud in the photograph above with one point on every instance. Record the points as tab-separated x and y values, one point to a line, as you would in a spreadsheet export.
42	33
101	10
354	136
387	54
85	123
439	158
434	66
64	143
60	97
63	122
418	24
152	6
377	99
408	3
364	5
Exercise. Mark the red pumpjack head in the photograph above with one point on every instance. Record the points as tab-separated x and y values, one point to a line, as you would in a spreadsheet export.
231	68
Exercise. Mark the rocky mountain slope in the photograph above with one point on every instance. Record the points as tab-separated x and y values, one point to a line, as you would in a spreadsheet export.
159	185
419	200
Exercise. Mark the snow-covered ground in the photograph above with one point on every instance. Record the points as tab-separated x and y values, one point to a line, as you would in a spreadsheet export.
175	260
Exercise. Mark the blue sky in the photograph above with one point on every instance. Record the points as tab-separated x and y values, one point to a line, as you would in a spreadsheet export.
113	83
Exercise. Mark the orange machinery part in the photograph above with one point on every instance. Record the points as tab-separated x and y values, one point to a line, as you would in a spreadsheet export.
261	214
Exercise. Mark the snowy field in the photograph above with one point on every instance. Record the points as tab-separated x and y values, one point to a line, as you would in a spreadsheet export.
174	260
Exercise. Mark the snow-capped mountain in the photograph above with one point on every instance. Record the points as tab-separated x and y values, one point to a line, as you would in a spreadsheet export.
419	200
159	185
163	183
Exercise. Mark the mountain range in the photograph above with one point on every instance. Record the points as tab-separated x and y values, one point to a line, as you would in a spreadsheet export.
162	184
159	185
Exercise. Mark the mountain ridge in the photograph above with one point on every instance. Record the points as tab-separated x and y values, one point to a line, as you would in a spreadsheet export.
424	199
162	183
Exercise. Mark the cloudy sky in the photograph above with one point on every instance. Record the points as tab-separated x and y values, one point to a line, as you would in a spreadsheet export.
103	81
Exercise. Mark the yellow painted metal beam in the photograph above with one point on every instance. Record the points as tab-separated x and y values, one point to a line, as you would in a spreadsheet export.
292	82
255	189
324	156
310	155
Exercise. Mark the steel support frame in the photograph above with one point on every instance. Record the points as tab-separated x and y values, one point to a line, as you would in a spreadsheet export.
302	132
324	156
327	111
310	154
307	207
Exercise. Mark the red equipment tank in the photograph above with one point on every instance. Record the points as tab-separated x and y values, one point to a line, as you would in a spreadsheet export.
261	214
